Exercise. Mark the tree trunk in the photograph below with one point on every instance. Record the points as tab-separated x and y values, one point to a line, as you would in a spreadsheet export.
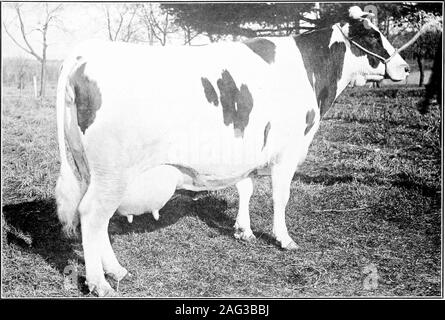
420	64
42	78
187	36
164	38
151	36
43	64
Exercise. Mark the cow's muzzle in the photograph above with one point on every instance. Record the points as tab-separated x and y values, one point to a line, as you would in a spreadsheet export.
396	69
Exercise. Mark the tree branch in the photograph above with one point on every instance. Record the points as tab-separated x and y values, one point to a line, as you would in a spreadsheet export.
107	11
164	31
22	29
13	39
130	32
188	32
155	22
57	8
155	25
19	45
416	36
119	27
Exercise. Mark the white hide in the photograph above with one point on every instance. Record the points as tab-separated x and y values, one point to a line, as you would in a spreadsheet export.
148	120
150	191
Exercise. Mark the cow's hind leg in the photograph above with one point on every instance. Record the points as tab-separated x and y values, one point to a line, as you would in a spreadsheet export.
242	224
282	173
96	209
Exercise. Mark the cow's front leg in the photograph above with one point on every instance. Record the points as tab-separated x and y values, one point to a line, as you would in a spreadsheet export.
282	173
242	224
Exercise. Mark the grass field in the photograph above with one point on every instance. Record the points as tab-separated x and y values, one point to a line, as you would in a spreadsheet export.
365	209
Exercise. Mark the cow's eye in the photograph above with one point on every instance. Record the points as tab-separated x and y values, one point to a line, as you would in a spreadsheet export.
375	35
372	38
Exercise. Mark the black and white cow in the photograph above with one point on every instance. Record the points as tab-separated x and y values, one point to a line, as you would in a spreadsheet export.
141	122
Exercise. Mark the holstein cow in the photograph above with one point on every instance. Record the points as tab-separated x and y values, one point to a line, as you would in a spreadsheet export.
141	122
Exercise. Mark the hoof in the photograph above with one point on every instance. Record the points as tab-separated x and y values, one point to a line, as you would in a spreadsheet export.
128	277
244	236
102	290
119	275
108	293
291	246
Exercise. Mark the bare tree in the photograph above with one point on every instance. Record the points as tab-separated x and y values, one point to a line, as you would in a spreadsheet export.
145	22
158	23
189	34
144	17
424	29
49	20
122	22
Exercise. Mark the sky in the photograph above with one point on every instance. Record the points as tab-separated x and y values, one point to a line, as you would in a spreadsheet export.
79	21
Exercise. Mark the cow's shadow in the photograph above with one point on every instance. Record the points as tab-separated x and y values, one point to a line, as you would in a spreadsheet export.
34	226
325	178
204	204
400	180
207	206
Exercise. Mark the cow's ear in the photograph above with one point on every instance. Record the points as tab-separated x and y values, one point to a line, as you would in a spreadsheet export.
343	22
358	14
344	25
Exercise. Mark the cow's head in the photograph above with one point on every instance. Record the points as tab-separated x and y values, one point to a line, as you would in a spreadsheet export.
372	54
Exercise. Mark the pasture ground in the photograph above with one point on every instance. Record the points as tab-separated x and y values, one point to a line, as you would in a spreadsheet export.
365	209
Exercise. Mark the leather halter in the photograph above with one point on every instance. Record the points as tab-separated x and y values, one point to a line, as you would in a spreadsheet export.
385	61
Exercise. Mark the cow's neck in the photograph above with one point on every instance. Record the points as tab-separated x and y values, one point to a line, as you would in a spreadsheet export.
323	52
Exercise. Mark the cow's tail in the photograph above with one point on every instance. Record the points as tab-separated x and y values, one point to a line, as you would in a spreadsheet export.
69	188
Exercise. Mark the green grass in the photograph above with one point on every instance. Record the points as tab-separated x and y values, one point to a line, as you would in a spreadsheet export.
368	195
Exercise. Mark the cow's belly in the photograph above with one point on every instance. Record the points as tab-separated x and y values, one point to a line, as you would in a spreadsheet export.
193	180
150	190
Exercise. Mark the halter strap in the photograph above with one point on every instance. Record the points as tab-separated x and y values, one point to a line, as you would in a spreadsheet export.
385	61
